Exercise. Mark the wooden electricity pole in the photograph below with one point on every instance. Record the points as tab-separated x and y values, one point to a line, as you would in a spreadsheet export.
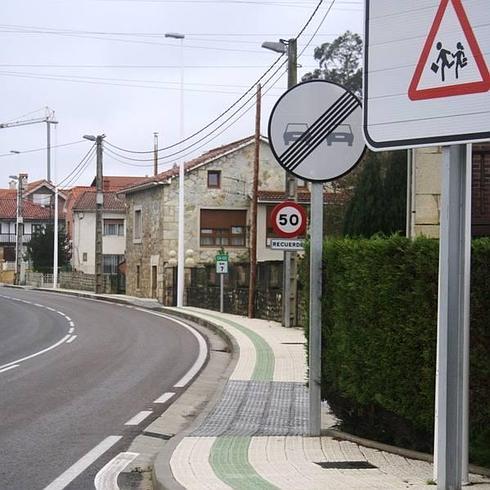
253	223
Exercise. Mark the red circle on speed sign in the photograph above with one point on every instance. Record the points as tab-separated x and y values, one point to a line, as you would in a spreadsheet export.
288	219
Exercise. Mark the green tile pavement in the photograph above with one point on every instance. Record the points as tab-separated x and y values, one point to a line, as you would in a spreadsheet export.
229	454
229	460
264	364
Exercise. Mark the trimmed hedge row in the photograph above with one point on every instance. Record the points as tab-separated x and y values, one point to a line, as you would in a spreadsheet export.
379	339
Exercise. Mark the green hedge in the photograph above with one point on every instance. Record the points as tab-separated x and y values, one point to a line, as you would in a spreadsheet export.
379	339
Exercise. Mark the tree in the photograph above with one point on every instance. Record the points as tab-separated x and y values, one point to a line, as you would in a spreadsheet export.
40	249
340	61
379	201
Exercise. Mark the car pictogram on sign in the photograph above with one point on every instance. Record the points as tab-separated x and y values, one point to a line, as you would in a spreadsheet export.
294	131
343	134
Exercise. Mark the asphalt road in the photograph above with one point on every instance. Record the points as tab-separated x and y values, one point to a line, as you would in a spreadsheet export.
67	394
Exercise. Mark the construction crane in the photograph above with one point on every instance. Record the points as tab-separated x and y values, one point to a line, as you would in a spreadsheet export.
48	119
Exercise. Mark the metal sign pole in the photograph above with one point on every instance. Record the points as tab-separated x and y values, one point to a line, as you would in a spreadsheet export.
221	292
315	342
453	275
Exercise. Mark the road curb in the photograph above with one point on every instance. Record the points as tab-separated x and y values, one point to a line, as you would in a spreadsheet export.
162	473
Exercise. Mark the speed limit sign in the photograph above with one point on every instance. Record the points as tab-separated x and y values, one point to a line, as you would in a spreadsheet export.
288	219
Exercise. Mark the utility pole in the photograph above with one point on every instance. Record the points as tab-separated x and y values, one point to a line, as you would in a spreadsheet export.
99	205
290	258
155	154
20	226
98	218
253	225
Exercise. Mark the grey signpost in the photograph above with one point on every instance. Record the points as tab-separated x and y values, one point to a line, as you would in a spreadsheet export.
438	95
315	133
221	270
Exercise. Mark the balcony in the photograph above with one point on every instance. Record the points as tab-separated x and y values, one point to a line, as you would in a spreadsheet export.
11	238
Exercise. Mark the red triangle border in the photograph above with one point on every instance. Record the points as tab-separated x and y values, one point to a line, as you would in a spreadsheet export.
451	90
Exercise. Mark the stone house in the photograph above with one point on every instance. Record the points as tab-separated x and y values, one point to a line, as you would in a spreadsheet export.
218	191
424	191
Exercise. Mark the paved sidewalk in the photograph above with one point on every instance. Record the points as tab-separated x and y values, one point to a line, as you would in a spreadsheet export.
255	436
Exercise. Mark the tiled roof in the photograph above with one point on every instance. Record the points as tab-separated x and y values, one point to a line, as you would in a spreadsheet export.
31	211
303	196
118	182
86	201
190	165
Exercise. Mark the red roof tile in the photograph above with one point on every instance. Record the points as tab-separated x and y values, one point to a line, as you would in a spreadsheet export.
118	182
86	202
303	196
31	211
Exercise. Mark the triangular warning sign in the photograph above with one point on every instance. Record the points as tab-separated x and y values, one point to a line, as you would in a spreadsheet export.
451	62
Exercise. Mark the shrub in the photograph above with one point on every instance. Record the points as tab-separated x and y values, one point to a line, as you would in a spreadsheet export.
379	324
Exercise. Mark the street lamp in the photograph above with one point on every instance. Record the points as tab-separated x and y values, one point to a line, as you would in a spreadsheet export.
180	253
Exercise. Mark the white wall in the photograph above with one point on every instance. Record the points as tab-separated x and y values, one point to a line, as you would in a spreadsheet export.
84	240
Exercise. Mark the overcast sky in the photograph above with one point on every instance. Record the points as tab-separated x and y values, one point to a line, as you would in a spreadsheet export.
104	66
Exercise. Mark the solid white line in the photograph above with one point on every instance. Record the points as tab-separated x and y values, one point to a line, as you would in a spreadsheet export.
82	464
203	349
138	418
71	339
8	368
165	397
64	339
106	478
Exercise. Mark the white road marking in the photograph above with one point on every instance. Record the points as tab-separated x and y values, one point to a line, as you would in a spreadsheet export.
82	464
165	397
8	368
137	419
71	339
64	339
71	330
106	478
203	349
50	309
71	323
68	319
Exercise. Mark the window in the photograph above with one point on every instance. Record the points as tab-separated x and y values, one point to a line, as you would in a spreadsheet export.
37	228
84	257
42	199
114	227
302	184
223	228
214	179
137	224
138	277
110	263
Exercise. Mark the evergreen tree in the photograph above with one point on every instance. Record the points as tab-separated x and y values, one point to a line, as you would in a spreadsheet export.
40	249
379	201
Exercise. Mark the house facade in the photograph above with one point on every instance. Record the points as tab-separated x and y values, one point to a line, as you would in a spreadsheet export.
424	191
218	191
37	212
113	233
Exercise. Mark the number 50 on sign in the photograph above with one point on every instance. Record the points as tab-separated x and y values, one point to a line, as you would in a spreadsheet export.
288	219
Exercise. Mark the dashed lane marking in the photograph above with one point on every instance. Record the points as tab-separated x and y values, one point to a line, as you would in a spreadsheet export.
138	418
71	339
165	397
83	463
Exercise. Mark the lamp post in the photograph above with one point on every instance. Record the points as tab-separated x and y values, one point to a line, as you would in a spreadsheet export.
288	47
180	251
99	204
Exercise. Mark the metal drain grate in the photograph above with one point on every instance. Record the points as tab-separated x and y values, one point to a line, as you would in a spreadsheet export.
346	465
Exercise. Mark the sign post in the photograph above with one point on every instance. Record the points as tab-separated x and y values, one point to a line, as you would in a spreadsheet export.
426	83
315	133
221	269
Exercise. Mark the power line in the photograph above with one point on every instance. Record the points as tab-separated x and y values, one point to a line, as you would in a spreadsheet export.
43	149
79	168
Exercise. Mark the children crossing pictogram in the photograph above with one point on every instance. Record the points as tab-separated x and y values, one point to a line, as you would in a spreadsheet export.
451	62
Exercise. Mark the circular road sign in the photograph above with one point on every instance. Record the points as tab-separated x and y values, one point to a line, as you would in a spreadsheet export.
315	131
288	219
